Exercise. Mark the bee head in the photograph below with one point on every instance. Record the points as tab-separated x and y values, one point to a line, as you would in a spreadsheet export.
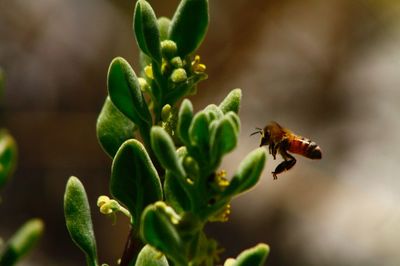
265	135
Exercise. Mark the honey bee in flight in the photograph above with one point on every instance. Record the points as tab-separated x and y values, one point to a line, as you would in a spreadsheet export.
282	140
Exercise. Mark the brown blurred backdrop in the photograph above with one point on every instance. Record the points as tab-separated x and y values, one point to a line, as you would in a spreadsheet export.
329	70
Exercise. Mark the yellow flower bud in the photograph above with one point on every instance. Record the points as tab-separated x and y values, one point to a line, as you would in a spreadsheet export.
148	70
221	179
176	62
103	199
166	112
178	75
168	49
105	209
197	67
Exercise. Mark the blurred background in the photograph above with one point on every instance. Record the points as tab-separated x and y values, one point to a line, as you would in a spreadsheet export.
328	70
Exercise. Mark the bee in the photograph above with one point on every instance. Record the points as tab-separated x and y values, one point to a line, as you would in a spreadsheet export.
281	140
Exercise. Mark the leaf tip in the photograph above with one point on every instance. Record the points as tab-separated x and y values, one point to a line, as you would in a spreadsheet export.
232	101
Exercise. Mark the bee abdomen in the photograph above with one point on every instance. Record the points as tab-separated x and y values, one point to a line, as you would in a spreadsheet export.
306	148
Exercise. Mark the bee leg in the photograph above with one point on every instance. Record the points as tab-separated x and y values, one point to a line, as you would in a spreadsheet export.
273	149
287	164
283	166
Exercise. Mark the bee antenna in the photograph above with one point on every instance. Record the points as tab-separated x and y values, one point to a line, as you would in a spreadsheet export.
258	131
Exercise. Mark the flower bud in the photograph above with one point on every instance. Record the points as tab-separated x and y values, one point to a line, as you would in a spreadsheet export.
103	199
178	75
149	71
105	209
166	112
176	62
197	67
168	49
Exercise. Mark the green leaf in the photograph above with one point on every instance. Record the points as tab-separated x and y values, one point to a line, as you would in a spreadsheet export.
185	117
231	102
199	133
164	149
255	256
191	167
8	156
248	173
134	179
159	230
213	112
163	27
234	118
175	195
144	61
22	242
149	256
223	139
78	219
113	128
146	30
125	93
189	25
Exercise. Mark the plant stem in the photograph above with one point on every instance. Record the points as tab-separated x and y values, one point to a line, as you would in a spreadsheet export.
132	248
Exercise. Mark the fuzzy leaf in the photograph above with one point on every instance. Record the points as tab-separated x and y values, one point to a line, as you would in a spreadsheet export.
199	133
149	256
223	139
184	119
213	112
78	219
8	156
248	173
159	230
113	128
134	179
164	149
234	118
175	195
189	25
231	102
22	242
125	93
144	61
255	256
146	30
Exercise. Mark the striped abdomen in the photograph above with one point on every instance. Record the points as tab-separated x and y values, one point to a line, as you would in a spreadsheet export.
305	147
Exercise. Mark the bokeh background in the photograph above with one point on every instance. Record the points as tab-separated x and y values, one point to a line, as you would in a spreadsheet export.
328	70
